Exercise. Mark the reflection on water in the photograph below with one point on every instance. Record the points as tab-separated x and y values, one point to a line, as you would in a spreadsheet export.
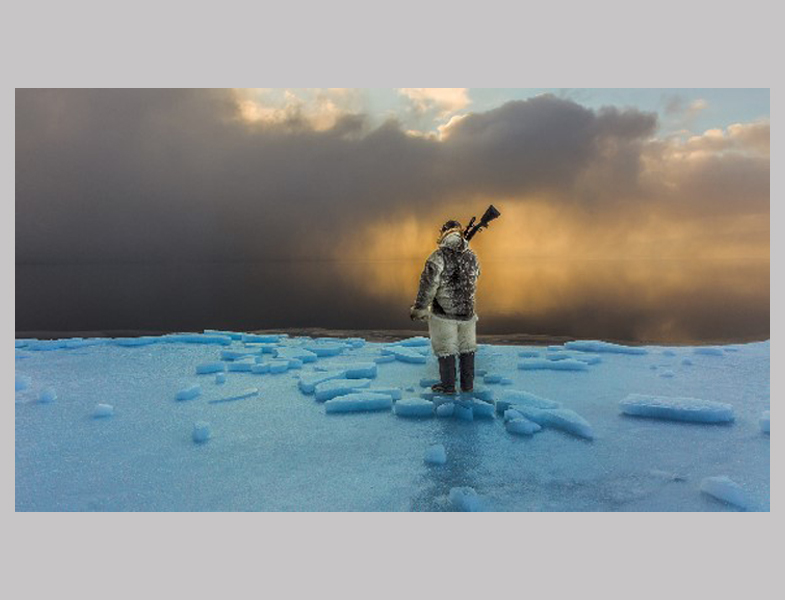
640	300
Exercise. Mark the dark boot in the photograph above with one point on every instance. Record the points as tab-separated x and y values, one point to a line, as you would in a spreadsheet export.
467	371
447	374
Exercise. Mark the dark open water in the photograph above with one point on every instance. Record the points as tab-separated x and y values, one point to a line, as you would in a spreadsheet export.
651	301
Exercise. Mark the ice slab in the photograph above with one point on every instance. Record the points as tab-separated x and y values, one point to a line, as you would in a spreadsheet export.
189	393
358	402
103	411
511	398
201	432
677	409
212	367
482	409
414	342
361	370
241	366
413	407
725	489
22	382
260	368
47	395
385	358
256	338
393	392
46	345
278	366
563	419
135	341
235	335
436	455
446	409
220	378
309	381
238	354
196	338
598	346
522	426
406	355
765	421
568	364
492	378
246	393
708	351
306	356
327	390
463	411
325	348
465	499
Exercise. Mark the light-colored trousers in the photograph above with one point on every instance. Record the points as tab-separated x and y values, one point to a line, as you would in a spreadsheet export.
449	336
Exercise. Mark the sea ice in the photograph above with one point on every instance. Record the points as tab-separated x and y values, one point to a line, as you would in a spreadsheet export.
511	398
327	390
436	455
765	421
363	370
407	355
708	351
385	358
263	339
242	366
529	353
135	341
677	409
447	409
358	402
201	432
482	409
725	489
506	381
568	364
598	346
309	381
260	368
484	394
278	366
235	335
102	411
220	377
326	348
563	419
47	395
463	411
492	378
196	338
414	342
246	393
521	426
302	354
668	352
393	392
213	367
22	382
413	407
189	393
237	354
465	499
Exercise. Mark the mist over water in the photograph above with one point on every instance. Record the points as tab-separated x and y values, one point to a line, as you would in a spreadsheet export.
671	301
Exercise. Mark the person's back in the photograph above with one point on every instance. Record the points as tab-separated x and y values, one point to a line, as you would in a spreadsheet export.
446	299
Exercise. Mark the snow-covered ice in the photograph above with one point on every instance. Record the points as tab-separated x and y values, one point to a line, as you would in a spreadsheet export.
275	440
677	409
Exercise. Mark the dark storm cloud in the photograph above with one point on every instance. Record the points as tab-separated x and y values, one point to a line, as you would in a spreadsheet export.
174	174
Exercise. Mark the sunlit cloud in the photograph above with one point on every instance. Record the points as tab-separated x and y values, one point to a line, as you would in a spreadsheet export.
443	101
315	108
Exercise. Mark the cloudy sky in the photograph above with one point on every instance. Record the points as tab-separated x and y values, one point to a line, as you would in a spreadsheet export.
190	176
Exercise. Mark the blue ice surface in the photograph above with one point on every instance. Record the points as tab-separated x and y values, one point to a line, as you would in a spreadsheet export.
265	449
677	408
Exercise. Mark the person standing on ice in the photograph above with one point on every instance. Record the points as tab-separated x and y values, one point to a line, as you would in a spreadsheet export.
446	300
